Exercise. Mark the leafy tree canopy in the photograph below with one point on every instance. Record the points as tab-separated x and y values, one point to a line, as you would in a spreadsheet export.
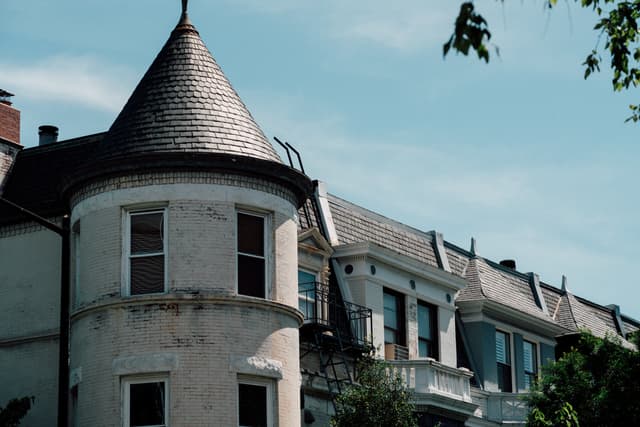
378	400
599	379
15	410
617	25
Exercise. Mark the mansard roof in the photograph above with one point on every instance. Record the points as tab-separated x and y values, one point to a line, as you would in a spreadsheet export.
185	104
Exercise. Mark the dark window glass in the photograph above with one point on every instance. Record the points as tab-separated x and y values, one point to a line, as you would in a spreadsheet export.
427	330
393	318
146	233
146	264
251	276
503	359
252	406
147	275
250	234
147	404
251	260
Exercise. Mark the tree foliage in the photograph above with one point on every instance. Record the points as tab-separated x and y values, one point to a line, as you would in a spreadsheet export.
15	410
599	379
380	399
617	23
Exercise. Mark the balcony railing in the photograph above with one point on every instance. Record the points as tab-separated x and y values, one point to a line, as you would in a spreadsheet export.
428	376
323	308
500	407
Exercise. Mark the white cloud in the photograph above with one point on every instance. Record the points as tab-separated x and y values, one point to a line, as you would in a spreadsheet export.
79	80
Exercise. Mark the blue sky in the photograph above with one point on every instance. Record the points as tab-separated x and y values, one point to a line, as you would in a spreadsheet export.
522	154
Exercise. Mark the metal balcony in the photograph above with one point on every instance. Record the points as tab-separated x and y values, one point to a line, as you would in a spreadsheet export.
324	310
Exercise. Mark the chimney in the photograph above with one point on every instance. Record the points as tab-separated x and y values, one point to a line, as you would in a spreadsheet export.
509	263
9	119
9	136
48	134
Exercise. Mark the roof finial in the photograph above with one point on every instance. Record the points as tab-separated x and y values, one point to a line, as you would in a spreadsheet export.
473	249
184	6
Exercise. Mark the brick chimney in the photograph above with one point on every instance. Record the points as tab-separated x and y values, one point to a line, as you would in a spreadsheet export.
9	119
9	135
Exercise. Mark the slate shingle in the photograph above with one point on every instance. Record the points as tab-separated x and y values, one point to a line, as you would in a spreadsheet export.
184	103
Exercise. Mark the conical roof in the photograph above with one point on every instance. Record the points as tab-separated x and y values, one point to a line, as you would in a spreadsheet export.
184	103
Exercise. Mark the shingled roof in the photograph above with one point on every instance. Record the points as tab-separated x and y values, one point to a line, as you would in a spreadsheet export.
355	224
185	104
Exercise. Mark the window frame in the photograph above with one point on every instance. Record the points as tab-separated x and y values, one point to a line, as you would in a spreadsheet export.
531	375
433	319
510	364
266	236
400	317
126	383
270	396
126	258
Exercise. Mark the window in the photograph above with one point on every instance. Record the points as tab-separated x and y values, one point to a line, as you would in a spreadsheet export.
427	330
251	255
503	359
146	402
145	251
393	317
255	404
530	364
307	294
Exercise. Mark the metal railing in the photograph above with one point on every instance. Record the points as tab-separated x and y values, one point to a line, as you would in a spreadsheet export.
321	307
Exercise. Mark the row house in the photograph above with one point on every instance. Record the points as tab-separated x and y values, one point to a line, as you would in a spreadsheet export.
174	271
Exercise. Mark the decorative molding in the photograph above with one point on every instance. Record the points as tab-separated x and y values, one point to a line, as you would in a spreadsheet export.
257	366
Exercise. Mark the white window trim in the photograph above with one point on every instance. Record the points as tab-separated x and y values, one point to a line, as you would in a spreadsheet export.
126	247
127	381
266	229
271	403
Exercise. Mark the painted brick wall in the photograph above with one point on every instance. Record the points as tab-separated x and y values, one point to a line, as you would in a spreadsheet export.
8	154
9	123
204	336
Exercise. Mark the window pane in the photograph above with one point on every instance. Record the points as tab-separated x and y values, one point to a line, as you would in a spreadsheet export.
424	321
250	276
423	348
502	348
250	234
147	275
390	311
146	403
146	233
504	378
390	336
304	277
529	356
252	405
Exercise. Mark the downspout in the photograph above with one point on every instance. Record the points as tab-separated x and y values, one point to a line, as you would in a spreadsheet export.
65	265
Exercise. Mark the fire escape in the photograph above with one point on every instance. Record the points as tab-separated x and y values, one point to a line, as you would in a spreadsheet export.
336	331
